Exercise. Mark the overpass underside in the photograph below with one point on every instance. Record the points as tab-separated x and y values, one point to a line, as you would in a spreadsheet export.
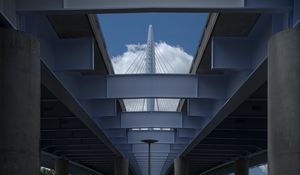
62	105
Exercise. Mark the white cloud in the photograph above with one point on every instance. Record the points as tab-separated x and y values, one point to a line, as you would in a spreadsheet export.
264	168
171	59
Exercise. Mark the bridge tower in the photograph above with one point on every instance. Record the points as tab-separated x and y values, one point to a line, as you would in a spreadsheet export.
150	63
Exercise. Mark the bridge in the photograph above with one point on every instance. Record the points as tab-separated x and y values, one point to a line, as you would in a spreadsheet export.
64	107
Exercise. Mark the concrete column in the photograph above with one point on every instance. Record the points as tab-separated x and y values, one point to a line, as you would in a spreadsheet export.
241	167
121	166
284	103
61	167
181	166
19	103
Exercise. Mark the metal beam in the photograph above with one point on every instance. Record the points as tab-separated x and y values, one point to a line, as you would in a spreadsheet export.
100	6
135	137
100	107
52	156
55	86
8	13
151	86
60	54
256	79
154	86
152	119
232	53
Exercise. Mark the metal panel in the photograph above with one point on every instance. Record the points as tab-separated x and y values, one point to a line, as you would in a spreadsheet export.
100	6
74	54
213	86
151	119
200	107
92	87
133	4
155	148
8	12
100	107
161	136
148	86
232	53
189	133
193	122
109	122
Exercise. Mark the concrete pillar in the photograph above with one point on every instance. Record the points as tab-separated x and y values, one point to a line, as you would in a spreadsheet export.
284	103
241	167
19	103
181	166
61	167
121	166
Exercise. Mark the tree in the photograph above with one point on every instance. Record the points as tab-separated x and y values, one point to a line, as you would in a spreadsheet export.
46	171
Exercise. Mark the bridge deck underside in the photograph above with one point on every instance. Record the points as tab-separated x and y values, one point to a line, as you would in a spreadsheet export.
65	135
241	134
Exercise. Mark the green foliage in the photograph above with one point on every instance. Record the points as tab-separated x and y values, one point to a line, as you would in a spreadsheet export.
46	171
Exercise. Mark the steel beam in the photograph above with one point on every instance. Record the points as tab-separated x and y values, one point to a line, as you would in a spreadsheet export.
152	86
8	12
255	80
200	107
232	53
100	107
54	85
162	136
152	119
100	6
155	148
60	54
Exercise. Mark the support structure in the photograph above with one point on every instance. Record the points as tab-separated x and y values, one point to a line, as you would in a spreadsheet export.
61	167
150	63
241	167
181	166
284	102
149	142
19	103
121	166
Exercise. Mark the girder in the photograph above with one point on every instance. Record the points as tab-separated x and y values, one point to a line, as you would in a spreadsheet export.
98	6
211	97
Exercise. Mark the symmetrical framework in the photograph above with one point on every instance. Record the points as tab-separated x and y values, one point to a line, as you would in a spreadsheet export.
222	122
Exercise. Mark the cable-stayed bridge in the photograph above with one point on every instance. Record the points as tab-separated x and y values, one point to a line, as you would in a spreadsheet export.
151	60
63	106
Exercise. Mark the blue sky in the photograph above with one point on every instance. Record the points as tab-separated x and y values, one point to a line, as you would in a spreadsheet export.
176	29
258	170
